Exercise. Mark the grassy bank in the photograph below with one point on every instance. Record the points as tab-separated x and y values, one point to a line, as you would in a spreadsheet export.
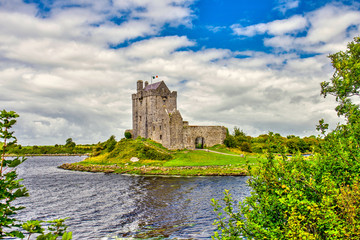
154	159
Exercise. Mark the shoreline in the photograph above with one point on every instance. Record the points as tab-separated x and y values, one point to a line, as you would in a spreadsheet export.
182	171
49	155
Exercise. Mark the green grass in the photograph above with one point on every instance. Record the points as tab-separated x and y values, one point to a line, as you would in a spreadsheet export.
155	159
223	149
203	158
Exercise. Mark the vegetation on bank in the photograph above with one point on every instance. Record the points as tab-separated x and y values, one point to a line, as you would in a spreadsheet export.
299	199
291	144
70	147
146	157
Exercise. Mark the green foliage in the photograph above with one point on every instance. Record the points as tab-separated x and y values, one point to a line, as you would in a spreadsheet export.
296	198
11	189
109	145
238	140
16	149
300	199
228	227
345	82
127	135
70	143
291	143
128	148
56	229
229	141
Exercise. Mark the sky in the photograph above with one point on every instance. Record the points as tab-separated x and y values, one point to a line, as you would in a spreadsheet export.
69	67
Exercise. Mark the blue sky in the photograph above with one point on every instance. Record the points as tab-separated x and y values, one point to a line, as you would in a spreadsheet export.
69	67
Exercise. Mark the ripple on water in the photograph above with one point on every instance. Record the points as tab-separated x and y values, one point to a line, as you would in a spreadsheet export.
101	206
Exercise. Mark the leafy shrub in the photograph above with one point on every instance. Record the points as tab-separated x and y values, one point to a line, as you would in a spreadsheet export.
300	199
128	135
11	189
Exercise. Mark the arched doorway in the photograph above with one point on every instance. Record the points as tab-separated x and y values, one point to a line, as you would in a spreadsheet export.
199	143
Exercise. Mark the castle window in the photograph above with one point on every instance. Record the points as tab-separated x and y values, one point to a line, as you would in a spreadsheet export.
153	128
160	127
140	118
160	137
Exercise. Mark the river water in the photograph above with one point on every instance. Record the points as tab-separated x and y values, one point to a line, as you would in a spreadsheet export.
105	206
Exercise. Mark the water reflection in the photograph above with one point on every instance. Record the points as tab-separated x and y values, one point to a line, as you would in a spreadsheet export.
111	205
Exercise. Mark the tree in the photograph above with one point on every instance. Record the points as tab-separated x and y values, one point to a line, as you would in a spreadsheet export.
127	135
69	143
345	82
110	143
11	189
229	141
300	199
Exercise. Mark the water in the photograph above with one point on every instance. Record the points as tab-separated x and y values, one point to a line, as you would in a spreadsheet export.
102	206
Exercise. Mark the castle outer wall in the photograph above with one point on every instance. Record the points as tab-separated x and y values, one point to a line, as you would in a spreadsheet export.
155	116
211	135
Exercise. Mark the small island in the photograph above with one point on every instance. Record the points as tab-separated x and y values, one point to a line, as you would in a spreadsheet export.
146	157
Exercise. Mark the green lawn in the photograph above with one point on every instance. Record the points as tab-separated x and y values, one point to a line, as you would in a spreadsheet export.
223	149
203	158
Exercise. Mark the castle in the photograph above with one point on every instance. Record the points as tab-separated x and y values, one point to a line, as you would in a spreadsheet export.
155	116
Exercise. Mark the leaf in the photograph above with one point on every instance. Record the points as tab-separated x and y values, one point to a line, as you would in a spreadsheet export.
67	236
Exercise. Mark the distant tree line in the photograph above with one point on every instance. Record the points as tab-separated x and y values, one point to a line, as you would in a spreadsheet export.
69	147
290	144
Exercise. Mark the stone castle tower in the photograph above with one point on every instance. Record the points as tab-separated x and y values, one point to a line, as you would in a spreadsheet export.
155	116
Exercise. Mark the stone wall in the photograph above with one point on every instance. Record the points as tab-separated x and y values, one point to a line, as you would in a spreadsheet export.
212	135
176	130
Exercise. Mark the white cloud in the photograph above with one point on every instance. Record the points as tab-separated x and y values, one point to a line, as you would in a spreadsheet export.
65	81
157	47
324	30
285	5
329	29
277	27
330	23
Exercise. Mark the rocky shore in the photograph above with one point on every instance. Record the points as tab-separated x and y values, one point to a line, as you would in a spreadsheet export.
154	170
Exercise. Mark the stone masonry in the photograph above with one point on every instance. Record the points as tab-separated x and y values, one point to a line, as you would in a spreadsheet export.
155	116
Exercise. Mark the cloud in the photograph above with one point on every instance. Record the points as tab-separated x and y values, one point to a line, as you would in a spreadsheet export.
157	47
70	72
285	5
315	32
277	27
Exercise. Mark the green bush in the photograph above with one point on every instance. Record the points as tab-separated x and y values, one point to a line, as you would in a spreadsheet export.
128	135
301	199
11	189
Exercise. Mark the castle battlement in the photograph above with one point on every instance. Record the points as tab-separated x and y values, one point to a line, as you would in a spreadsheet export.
155	116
